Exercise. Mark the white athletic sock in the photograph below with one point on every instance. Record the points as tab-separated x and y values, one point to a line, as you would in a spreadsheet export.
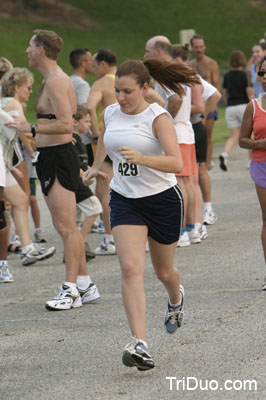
177	304
72	286
207	206
108	238
143	342
83	281
27	248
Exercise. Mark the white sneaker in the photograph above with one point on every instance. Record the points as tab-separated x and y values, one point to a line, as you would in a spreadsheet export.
64	300
94	228
37	254
5	275
194	236
203	232
183	240
209	218
15	240
89	295
101	228
106	248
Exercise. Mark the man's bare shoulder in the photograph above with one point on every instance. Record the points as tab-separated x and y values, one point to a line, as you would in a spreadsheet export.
211	62
103	82
58	79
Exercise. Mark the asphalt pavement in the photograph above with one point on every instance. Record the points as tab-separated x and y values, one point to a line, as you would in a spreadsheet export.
219	353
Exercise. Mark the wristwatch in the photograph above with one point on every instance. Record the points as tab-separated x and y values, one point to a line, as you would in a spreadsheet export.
33	129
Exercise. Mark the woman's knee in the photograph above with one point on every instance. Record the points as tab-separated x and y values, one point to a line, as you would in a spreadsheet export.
164	274
132	270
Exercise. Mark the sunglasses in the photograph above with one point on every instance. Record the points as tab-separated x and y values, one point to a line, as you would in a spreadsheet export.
261	73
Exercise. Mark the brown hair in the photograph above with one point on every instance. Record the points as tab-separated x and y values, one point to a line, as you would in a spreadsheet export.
81	112
13	77
180	51
50	41
196	37
170	75
237	59
5	65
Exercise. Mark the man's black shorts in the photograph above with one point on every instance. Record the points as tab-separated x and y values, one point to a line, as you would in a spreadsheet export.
200	141
61	161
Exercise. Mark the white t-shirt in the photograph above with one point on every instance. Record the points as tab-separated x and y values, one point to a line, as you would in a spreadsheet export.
82	88
130	180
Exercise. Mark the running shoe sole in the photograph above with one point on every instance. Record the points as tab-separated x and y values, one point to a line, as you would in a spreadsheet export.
132	359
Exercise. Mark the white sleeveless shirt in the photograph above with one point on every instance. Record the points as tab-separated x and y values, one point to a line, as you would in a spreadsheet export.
130	180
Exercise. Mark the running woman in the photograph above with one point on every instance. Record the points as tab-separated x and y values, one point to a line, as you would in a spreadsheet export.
145	199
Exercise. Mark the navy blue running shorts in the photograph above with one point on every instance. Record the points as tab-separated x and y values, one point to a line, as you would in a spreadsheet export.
162	213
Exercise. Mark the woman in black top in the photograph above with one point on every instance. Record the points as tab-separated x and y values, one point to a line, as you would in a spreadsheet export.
236	98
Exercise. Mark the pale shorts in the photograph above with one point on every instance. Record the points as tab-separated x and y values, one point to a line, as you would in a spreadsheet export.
88	208
234	115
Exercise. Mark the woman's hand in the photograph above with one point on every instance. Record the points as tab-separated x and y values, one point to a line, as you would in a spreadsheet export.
19	123
87	176
130	155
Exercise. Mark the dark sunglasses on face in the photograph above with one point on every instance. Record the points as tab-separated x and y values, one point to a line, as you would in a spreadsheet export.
261	73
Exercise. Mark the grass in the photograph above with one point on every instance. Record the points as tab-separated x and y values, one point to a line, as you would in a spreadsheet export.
125	27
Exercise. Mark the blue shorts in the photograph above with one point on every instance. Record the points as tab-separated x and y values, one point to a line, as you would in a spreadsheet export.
162	213
213	114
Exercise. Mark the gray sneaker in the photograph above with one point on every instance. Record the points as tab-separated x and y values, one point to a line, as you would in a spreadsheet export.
136	355
174	316
264	284
37	254
39	236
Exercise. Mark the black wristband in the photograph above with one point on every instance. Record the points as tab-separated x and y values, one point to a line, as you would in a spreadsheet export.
33	129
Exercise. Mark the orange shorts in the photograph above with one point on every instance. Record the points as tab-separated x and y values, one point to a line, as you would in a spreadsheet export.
189	160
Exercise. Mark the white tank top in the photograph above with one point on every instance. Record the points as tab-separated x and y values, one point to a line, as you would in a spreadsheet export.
183	126
122	129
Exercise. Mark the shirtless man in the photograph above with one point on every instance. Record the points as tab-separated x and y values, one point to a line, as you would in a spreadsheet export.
208	69
58	163
102	94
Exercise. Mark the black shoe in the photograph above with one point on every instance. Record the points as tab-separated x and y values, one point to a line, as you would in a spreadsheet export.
223	162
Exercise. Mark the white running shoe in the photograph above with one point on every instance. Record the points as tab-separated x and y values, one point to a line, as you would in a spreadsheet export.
203	232
101	228
209	218
105	249
194	236
89	295
264	284
183	240
37	254
5	275
94	228
15	240
64	300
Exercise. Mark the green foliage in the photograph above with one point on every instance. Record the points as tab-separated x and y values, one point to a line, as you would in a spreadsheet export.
125	27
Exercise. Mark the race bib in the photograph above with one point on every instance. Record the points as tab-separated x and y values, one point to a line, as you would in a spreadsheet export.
128	169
